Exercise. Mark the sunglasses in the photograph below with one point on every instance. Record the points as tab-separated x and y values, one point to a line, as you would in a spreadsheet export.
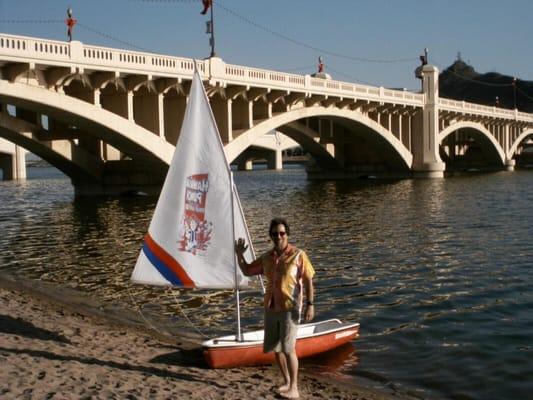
276	234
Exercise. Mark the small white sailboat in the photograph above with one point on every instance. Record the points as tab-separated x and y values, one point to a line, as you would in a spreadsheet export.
190	240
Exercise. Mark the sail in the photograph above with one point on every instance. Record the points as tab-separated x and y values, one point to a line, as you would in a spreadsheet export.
190	241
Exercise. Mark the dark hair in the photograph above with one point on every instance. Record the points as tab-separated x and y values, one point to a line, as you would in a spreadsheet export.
279	221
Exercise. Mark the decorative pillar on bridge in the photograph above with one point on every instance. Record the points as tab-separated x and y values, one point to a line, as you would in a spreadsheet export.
426	159
509	161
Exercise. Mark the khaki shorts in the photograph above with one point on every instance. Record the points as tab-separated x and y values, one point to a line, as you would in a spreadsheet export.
281	328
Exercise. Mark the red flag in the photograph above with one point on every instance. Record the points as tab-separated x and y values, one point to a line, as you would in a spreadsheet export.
207	4
70	25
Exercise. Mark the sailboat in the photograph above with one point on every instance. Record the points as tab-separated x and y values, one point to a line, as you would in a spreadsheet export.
190	240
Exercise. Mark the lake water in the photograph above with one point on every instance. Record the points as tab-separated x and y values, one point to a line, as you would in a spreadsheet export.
438	272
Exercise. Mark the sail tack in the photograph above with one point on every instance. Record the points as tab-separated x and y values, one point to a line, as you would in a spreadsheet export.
190	241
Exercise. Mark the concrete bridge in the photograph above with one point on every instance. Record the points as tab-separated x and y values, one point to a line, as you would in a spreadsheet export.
110	118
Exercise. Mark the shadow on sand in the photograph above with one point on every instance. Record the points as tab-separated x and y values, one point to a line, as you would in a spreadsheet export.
18	326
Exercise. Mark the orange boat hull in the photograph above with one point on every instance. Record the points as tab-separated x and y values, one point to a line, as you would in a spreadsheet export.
247	355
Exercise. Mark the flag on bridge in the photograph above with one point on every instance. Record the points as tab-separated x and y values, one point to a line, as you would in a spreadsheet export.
207	4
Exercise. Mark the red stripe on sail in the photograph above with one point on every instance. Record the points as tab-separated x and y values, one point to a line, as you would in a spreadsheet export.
169	261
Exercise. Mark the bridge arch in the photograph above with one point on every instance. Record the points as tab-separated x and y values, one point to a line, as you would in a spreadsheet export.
287	123
113	129
70	159
489	143
305	137
523	136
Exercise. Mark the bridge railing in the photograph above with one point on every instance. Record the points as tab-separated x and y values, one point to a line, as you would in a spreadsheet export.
239	73
478	109
28	49
306	83
38	48
77	53
89	56
156	63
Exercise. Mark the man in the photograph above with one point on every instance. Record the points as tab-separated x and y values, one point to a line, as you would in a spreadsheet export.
287	270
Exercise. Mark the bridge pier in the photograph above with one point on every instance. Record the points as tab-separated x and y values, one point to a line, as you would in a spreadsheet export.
245	165
274	160
426	159
13	163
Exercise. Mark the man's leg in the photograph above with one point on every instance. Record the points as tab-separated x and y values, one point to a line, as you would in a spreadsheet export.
288	333
292	366
281	359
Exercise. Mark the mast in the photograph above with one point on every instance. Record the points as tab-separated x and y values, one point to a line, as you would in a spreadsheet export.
237	294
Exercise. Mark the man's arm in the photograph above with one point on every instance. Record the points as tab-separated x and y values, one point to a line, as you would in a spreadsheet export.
240	248
310	296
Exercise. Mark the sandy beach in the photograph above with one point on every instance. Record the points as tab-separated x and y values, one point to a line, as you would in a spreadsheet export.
57	344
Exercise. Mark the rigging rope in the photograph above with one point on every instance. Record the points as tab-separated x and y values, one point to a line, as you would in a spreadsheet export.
155	328
31	21
524	93
308	46
136	306
288	38
105	35
81	25
185	315
467	78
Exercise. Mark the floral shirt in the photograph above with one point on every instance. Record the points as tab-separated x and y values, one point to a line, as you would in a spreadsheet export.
284	275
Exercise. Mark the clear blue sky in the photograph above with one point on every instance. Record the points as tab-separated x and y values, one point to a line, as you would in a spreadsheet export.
492	35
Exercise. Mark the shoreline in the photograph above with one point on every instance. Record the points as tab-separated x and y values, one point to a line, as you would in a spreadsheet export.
57	343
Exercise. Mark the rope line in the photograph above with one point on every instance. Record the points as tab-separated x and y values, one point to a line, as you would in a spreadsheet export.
138	308
79	24
467	78
165	1
151	325
524	93
105	35
305	68
185	315
308	46
349	76
31	21
285	37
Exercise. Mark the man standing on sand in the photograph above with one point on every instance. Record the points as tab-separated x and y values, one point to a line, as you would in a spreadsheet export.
288	271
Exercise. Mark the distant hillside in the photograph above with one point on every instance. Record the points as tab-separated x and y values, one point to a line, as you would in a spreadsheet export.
461	82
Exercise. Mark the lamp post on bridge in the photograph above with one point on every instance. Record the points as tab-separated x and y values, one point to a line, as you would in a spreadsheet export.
423	61
210	25
514	92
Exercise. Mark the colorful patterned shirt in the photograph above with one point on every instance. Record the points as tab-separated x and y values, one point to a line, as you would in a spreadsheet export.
284	275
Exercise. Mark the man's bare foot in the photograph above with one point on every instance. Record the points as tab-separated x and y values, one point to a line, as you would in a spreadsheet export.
283	388
290	394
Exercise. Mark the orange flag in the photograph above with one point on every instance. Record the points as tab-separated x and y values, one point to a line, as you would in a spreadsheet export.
207	4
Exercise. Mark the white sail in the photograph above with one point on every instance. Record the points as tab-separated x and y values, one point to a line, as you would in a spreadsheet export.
190	241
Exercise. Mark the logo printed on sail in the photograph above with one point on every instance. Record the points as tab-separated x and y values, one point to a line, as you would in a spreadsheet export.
195	231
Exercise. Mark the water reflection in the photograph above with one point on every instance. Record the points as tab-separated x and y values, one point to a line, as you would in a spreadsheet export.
436	271
335	362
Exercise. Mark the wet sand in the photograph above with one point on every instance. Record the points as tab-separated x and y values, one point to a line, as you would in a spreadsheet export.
59	344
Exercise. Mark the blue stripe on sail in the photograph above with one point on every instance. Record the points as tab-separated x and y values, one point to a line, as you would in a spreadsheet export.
167	273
